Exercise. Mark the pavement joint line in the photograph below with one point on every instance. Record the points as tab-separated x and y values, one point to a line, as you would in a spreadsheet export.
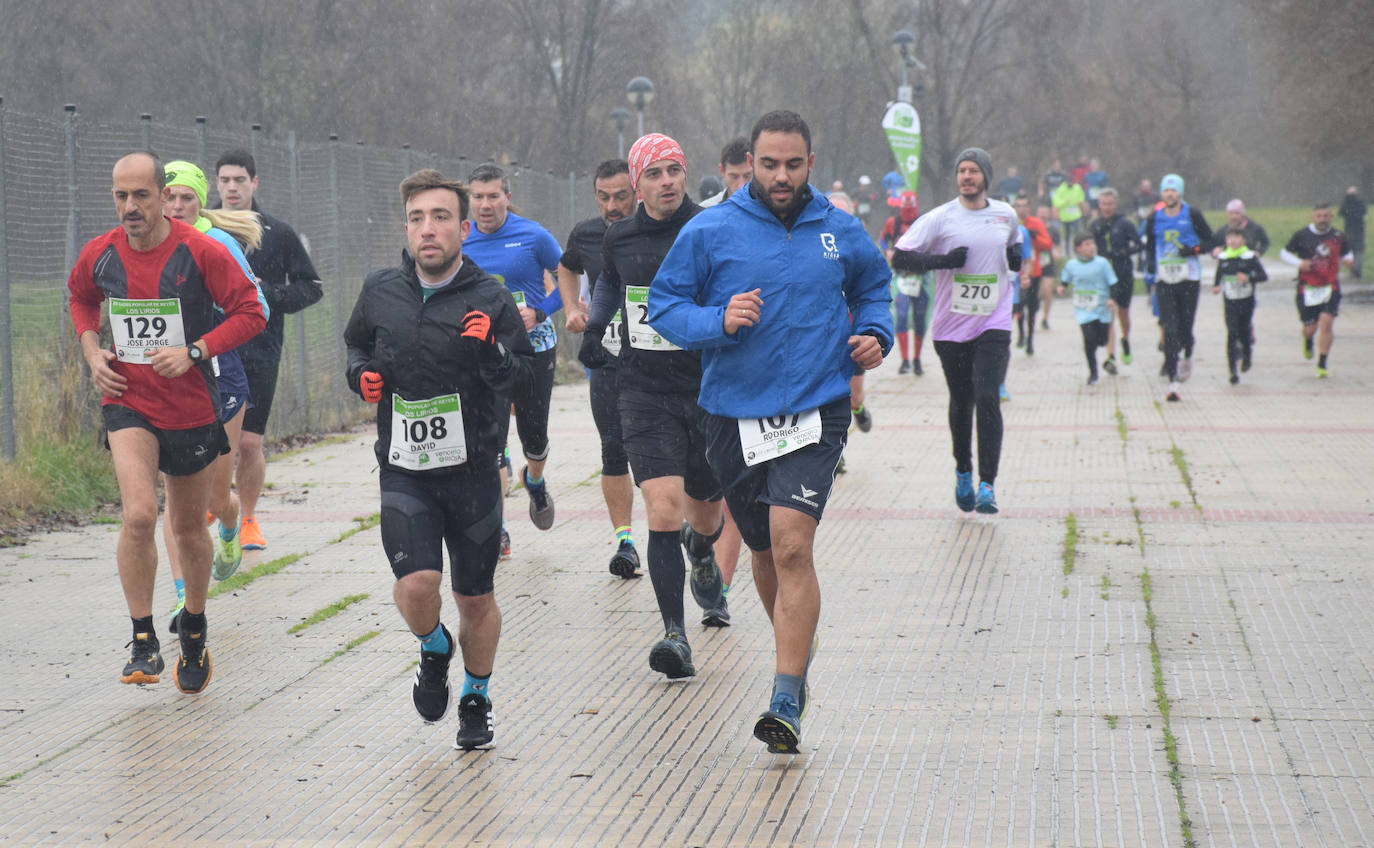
326	613
1162	705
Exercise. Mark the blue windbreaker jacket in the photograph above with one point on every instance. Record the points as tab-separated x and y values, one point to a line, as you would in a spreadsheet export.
813	279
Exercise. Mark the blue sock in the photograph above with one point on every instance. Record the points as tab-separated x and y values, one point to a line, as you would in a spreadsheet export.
181	590
788	684
227	533
436	642
474	685
533	482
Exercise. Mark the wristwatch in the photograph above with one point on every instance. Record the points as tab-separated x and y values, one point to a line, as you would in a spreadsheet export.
195	353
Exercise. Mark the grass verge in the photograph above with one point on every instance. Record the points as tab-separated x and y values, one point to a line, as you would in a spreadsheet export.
327	612
53	482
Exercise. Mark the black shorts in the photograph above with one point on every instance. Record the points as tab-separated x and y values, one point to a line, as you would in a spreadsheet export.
664	437
461	509
800	480
262	388
180	453
1310	314
1121	292
532	412
233	387
604	392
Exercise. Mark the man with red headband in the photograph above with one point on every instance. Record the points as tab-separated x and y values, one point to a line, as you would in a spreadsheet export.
660	422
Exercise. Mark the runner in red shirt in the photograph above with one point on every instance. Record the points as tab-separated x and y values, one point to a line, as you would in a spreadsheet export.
160	281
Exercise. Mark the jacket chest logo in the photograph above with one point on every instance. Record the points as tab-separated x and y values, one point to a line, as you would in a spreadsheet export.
832	251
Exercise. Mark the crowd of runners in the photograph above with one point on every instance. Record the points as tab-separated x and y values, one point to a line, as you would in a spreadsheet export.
725	343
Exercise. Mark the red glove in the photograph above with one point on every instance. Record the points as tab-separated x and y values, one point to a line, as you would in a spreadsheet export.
477	325
370	382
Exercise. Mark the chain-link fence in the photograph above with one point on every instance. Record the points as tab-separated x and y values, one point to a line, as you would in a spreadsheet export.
341	197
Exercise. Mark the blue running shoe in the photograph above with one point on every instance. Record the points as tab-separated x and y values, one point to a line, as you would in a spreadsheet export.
780	726
987	501
963	490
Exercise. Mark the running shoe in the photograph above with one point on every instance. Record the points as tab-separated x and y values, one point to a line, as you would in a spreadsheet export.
475	727
707	581
625	562
145	660
1127	359
1020	342
430	692
987	501
176	615
1322	373
505	544
1172	396
840	469
1092	380
1044	323
906	367
862	419
1030	349
717	616
1235	378
209	518
1002	394
192	671
541	502
1245	361
963	490
1307	347
916	367
1185	369
780	726
250	535
672	657
1109	366
228	555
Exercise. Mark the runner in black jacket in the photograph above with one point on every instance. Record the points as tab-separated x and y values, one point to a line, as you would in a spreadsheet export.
439	345
660	421
1238	269
1118	242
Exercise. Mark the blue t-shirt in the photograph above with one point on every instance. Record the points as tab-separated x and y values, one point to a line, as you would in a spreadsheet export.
1091	283
518	254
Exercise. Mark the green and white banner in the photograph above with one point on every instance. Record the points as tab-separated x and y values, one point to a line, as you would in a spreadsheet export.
903	127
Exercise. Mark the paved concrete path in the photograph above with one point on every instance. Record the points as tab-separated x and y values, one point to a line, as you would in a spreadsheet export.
1199	669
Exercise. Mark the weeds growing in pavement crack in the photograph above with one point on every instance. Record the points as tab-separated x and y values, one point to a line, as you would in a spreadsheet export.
1162	704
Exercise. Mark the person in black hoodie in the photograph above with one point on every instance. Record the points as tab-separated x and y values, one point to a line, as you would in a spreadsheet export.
439	345
661	424
1238	269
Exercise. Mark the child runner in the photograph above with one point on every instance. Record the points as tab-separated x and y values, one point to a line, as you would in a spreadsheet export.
1238	269
1091	277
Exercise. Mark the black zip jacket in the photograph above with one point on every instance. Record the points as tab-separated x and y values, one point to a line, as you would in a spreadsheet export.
632	250
1248	263
1118	242
414	345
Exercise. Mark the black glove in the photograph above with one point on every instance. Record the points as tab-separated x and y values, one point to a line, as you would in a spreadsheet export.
1014	257
954	259
592	354
1190	250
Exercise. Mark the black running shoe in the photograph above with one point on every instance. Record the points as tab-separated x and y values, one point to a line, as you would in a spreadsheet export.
430	691
707	582
145	660
916	367
717	616
475	727
672	657
906	367
625	563
192	671
862	419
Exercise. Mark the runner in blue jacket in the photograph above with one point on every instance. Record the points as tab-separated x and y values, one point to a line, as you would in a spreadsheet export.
787	298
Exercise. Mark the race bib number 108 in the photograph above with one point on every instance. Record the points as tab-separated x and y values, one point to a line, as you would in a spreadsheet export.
762	439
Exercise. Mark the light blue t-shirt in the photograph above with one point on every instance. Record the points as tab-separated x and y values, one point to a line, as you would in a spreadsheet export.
1091	283
518	254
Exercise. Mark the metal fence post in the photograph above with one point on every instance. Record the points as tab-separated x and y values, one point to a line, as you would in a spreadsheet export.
362	186
203	144
145	123
253	142
293	181
336	233
6	343
572	200
406	165
72	245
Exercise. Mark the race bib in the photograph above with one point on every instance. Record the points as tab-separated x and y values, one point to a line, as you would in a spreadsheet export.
611	338
642	336
427	434
1233	289
1046	258
143	327
1085	299
974	294
1173	269
1316	295
910	284
762	439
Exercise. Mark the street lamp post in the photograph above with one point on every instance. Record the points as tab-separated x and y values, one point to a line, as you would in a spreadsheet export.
905	42
620	115
640	93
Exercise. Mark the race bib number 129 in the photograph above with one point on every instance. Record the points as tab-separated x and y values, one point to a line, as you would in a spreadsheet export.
143	327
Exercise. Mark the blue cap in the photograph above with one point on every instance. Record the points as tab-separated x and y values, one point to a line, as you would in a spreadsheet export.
1171	181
